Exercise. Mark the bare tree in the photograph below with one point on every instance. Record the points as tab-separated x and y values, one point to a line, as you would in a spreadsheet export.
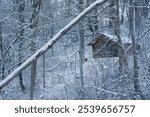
36	5
138	13
135	55
122	52
20	11
81	50
93	19
2	67
145	9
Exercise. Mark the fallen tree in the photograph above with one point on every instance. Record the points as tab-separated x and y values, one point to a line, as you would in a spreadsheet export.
48	45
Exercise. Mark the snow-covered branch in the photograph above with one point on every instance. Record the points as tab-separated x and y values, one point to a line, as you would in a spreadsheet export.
68	57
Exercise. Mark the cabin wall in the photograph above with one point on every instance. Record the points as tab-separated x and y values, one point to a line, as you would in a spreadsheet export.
103	47
104	51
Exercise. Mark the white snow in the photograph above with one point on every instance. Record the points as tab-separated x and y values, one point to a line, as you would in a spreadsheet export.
114	37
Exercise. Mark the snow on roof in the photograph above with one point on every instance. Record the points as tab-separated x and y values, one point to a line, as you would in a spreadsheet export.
114	38
111	37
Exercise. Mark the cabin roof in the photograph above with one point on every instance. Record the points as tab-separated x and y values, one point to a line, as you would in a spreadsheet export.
107	36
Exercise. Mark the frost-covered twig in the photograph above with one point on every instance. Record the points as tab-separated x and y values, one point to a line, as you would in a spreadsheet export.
143	34
110	92
144	6
101	47
68	57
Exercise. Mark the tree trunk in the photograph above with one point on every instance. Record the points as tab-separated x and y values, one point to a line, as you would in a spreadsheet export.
44	82
93	21
85	3
33	78
81	51
112	14
135	56
122	12
138	11
2	67
122	53
20	10
68	9
145	9
34	20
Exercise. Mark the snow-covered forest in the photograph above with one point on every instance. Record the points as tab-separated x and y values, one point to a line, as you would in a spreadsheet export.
45	52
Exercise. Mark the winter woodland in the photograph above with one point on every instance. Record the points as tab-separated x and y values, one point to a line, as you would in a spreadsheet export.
44	52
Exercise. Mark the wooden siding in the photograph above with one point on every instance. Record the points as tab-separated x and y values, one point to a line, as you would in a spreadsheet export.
104	47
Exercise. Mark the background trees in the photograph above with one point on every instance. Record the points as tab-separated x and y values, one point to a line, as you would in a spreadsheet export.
67	70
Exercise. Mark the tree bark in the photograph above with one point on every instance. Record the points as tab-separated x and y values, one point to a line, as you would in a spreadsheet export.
137	13
34	20
112	14
122	53
44	80
81	50
2	67
93	22
122	11
145	9
135	55
20	10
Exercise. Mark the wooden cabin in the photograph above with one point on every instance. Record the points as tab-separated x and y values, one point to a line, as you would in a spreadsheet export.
106	46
